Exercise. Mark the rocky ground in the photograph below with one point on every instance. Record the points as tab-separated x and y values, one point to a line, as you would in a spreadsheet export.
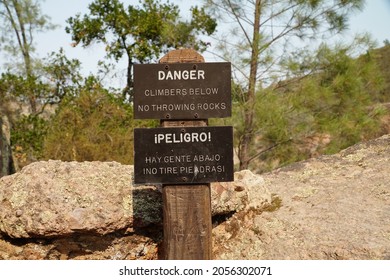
331	207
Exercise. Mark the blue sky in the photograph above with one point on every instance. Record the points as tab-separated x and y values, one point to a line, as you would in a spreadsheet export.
375	19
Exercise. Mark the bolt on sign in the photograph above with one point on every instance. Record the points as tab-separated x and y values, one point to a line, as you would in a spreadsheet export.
182	90
183	155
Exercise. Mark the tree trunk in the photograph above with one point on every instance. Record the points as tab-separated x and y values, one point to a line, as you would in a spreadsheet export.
127	93
249	106
19	26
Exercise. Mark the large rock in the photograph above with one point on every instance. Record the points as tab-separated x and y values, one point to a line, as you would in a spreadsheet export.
54	198
331	207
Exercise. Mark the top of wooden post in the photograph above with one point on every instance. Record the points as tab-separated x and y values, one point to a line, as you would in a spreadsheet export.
182	56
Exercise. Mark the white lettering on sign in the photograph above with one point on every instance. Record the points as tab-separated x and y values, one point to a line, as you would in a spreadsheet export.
203	158
173	138
181	75
171	159
210	168
182	158
203	91
174	107
183	170
180	91
182	107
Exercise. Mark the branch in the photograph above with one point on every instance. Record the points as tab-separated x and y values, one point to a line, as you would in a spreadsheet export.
239	69
268	149
24	42
239	22
282	11
13	24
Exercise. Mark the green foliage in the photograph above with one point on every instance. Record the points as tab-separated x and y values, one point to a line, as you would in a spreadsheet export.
141	33
263	34
318	114
95	125
9	84
181	34
27	136
20	21
24	89
58	78
382	56
90	122
63	74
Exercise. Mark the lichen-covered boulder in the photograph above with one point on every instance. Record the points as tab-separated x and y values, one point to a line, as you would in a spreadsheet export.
55	198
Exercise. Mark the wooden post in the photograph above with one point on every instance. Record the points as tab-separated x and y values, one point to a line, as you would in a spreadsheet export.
186	208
